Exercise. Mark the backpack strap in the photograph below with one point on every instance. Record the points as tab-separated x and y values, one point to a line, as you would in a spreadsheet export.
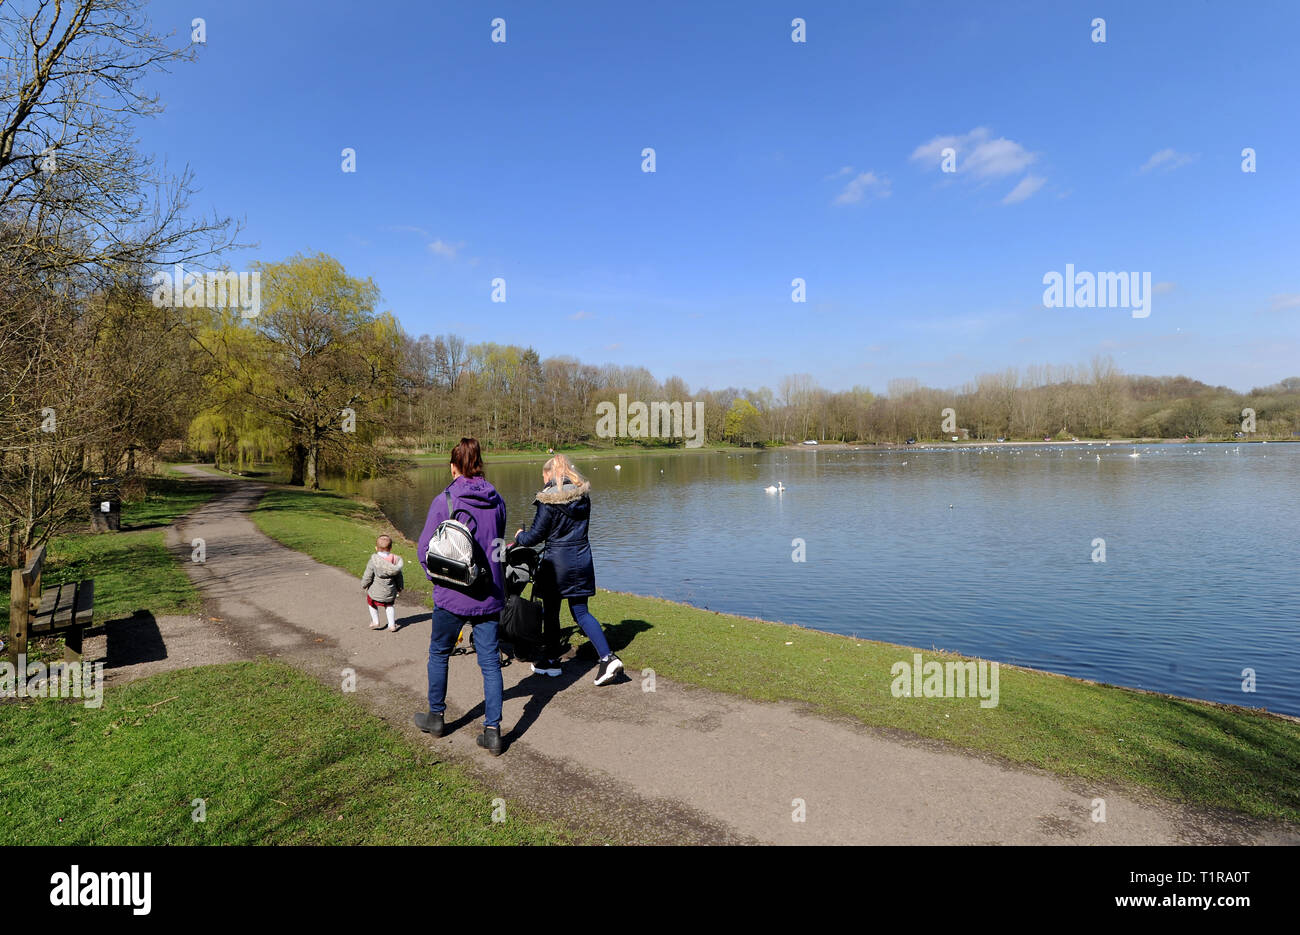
451	510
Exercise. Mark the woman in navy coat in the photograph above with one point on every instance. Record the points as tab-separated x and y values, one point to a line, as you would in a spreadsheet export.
566	571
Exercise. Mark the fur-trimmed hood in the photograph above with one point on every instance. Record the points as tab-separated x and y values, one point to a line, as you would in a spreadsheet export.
565	494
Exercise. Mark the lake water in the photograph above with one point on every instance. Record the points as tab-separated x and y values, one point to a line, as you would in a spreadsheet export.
987	552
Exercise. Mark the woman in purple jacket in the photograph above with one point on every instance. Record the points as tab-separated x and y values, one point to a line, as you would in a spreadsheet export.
480	606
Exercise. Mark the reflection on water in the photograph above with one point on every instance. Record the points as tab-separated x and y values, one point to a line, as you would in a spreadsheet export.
983	551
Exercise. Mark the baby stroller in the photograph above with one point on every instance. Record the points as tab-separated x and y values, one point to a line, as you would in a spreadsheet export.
521	566
521	563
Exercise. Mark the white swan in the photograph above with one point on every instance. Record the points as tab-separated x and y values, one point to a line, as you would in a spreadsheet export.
778	487
1135	454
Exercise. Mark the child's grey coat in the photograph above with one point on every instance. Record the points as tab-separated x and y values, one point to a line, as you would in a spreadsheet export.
383	579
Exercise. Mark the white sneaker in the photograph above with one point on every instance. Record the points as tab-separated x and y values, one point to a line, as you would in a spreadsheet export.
391	628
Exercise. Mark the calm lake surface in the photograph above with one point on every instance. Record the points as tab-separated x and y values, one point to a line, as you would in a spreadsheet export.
987	552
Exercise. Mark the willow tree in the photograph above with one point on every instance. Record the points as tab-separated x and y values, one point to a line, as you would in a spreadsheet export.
319	361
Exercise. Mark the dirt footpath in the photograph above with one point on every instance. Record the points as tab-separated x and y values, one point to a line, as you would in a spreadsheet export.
679	764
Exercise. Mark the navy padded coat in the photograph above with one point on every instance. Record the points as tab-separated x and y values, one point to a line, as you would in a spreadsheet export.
563	514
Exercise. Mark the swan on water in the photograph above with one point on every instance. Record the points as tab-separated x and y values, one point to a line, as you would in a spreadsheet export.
778	487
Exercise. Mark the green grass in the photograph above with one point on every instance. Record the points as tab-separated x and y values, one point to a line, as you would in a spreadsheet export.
277	757
1190	751
132	569
585	452
1186	750
334	530
278	473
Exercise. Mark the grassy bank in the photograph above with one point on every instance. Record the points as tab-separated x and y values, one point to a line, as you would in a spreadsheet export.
277	758
1190	751
584	452
335	530
132	569
275	473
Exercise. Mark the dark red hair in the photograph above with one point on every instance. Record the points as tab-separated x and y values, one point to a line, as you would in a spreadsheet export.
468	457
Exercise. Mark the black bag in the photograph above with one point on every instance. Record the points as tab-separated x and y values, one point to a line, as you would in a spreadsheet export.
521	620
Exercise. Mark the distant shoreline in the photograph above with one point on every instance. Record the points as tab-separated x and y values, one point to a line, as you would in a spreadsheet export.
1080	442
593	454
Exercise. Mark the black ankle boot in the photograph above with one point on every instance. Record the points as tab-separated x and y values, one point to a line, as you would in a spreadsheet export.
490	740
430	723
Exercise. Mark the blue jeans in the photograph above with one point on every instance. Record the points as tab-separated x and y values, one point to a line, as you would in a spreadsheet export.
442	639
589	625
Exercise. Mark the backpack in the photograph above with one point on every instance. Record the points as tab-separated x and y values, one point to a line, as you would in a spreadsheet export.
450	559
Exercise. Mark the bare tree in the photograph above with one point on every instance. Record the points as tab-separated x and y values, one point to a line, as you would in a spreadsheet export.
82	211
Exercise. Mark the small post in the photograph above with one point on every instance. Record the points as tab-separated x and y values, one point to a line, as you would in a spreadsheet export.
19	604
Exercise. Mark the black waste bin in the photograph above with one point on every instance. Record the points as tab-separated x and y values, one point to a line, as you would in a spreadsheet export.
105	505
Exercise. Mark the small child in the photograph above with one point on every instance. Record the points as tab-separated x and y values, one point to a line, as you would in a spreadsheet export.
382	583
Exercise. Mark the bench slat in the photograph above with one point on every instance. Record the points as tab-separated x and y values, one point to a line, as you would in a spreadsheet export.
64	607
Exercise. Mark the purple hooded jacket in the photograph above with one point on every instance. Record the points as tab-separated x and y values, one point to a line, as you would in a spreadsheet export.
478	498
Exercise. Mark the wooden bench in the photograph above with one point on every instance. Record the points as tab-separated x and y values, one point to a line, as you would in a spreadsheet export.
66	609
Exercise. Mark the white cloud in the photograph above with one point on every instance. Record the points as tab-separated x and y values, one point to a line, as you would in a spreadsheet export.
1162	288
581	316
1167	159
444	248
845	170
860	186
1286	300
408	229
1024	189
977	154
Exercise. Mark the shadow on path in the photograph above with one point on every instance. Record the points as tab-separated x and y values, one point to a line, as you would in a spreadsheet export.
133	640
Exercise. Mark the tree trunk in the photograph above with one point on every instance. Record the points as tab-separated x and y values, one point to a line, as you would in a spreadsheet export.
299	453
313	456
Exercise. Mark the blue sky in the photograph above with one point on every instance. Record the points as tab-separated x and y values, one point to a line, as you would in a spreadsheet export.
774	160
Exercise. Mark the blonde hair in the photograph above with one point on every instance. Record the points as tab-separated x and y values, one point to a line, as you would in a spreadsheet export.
561	469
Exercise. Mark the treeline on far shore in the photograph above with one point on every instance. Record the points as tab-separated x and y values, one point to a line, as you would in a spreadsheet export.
512	398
